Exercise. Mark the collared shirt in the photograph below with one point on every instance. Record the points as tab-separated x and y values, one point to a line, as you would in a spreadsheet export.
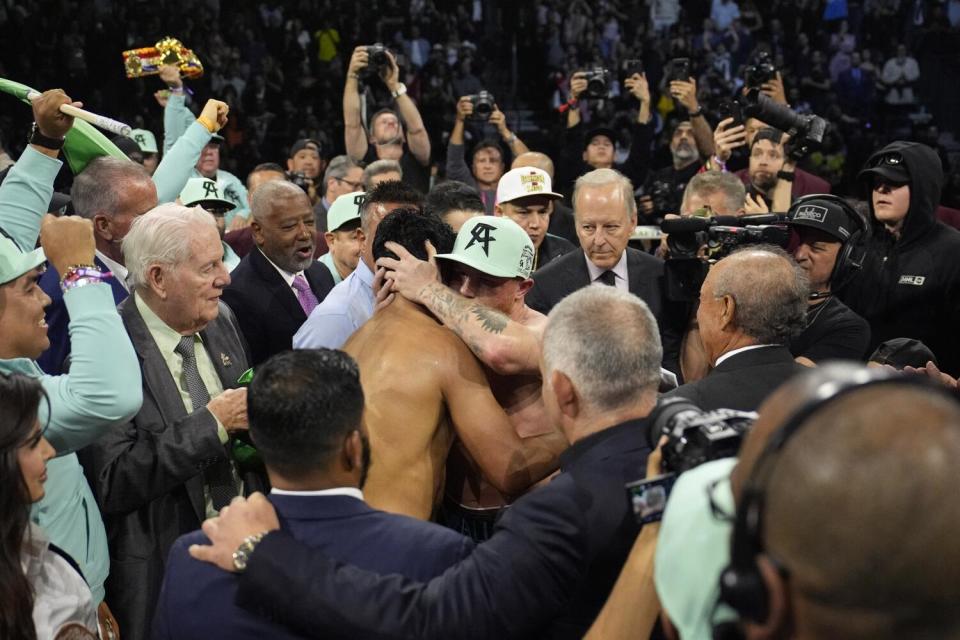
730	354
119	271
343	311
327	260
351	492
286	275
619	270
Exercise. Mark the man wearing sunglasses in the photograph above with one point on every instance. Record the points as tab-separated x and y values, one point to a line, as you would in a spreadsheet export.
909	286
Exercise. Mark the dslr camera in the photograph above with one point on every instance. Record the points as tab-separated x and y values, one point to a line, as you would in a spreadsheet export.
806	131
483	105
760	72
598	83
693	436
377	60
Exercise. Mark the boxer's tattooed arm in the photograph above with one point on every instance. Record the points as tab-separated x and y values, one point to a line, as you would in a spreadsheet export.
490	319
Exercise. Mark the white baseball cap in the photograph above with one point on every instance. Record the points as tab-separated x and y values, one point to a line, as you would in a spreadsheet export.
205	193
493	245
14	262
145	140
344	209
523	182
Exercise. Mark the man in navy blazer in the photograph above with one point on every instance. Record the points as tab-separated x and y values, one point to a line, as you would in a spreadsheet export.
606	216
305	412
554	554
112	193
277	284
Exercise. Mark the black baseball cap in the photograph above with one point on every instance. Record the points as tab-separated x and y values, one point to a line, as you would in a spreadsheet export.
889	166
600	131
823	214
306	143
903	352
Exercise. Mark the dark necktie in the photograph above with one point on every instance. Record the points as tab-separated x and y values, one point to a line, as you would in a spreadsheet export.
218	477
308	301
608	278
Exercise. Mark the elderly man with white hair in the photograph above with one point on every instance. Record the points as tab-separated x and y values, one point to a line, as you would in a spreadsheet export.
171	466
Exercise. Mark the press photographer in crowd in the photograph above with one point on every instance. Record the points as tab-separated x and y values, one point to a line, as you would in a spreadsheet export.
487	163
392	135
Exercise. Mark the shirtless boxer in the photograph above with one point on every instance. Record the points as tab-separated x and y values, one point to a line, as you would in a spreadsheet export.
488	275
423	387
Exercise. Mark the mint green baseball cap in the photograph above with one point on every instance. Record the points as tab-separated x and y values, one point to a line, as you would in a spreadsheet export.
145	140
205	193
14	262
344	209
693	549
493	245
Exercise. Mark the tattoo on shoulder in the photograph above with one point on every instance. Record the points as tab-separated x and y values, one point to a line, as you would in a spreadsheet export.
492	321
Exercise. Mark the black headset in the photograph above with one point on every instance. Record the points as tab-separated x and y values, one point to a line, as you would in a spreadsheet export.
741	584
854	250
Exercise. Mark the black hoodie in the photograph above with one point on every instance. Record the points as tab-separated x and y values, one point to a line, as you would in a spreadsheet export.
910	287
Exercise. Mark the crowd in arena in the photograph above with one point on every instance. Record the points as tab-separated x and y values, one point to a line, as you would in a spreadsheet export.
479	319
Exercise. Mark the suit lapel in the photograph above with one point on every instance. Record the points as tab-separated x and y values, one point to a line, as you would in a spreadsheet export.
276	285
578	276
633	272
227	360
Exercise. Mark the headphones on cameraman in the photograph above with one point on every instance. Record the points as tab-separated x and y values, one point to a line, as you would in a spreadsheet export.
854	250
741	584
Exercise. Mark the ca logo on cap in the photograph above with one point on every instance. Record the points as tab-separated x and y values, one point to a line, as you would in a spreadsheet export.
526	261
210	188
140	139
481	234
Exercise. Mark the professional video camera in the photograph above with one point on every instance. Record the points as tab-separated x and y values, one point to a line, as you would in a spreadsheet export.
695	242
598	83
760	72
377	60
693	436
483	105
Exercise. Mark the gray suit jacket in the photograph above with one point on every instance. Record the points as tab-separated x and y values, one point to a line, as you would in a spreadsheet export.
147	474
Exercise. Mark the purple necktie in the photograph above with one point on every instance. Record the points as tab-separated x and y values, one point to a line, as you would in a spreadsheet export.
304	294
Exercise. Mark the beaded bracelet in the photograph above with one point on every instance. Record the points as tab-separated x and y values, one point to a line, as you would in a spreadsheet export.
81	276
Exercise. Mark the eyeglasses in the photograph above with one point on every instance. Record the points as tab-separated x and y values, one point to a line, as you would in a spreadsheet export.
356	186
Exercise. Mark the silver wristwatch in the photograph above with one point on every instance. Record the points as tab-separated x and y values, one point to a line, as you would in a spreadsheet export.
242	555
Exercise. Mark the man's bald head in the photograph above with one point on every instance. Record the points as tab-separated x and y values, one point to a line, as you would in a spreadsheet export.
857	510
270	193
756	295
534	159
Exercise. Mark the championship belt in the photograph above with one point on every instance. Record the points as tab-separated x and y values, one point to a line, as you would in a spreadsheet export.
147	61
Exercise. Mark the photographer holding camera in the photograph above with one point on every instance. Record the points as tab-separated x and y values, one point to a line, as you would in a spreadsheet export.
386	139
488	164
596	149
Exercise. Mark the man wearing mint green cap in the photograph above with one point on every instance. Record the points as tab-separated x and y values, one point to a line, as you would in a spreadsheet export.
693	548
343	235
103	386
148	146
204	193
487	275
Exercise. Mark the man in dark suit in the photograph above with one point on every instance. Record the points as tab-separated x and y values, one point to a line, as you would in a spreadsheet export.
278	284
606	215
751	303
160	475
305	416
111	192
556	552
